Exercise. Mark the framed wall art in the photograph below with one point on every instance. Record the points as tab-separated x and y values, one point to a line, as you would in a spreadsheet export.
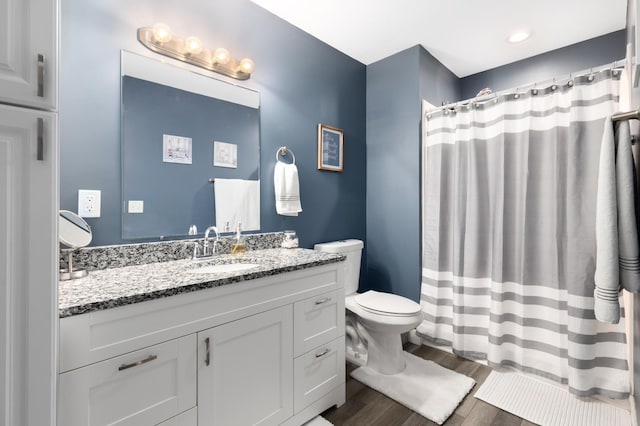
330	148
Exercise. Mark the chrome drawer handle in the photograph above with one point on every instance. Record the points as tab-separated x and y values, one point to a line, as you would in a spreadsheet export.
323	300
40	83
323	353
40	140
207	358
135	364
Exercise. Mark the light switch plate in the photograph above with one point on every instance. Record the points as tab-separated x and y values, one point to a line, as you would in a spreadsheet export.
136	206
88	203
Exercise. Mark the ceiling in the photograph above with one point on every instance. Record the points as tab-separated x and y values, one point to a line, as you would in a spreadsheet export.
467	36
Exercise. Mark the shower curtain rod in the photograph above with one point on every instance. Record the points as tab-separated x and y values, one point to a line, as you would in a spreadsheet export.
615	65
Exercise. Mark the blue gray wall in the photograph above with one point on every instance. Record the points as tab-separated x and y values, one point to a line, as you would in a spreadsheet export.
395	88
598	51
302	82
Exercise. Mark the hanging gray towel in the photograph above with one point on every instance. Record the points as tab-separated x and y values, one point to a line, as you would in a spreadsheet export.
617	251
627	229
606	305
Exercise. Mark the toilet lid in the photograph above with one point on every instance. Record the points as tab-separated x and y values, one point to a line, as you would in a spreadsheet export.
387	303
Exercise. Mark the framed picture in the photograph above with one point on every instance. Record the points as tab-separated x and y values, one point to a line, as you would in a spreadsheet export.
330	148
176	149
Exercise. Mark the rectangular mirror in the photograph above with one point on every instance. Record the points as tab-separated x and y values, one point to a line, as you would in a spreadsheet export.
171	120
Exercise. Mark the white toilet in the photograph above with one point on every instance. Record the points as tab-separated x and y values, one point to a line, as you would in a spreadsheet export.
374	320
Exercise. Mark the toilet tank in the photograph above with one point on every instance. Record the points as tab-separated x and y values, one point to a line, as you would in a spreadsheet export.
353	250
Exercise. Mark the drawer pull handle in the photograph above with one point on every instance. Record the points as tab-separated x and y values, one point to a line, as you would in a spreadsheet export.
323	300
323	353
207	357
40	75
135	364
40	140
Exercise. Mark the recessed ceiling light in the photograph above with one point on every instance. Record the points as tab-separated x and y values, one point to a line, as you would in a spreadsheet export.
518	36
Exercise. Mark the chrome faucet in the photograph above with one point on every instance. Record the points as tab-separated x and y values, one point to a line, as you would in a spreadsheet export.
205	245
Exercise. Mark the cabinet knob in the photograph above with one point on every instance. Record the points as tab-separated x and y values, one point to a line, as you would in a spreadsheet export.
323	300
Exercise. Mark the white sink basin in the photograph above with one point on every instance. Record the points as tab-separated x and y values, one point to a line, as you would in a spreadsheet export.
227	267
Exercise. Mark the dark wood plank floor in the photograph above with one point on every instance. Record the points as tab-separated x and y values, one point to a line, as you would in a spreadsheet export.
367	407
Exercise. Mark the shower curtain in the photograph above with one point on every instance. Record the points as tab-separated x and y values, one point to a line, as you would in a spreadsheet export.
509	200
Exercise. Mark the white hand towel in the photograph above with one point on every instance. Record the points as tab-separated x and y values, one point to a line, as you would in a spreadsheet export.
287	189
237	200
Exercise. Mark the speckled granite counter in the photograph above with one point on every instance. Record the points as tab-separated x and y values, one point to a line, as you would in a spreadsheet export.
108	288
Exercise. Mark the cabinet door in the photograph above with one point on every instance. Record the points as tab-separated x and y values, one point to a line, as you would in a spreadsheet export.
28	266
144	387
245	371
28	49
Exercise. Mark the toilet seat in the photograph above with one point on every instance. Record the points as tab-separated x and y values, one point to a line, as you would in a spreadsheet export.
386	304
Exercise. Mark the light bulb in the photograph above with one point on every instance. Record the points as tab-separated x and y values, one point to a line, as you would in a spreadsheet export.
193	45
221	56
162	32
519	36
246	66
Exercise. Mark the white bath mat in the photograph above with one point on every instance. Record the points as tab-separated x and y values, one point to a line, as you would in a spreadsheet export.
545	404
318	421
424	386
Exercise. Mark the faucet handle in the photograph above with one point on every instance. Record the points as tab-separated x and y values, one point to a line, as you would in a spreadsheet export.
196	250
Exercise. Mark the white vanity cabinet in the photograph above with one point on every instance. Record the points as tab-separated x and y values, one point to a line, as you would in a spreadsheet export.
28	56
245	375
266	351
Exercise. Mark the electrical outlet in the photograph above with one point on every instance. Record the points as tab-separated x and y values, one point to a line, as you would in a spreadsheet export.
88	203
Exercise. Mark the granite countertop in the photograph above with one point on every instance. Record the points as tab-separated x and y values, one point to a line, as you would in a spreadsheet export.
109	288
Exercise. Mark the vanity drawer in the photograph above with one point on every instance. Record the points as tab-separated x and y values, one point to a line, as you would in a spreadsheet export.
144	387
318	320
318	372
188	418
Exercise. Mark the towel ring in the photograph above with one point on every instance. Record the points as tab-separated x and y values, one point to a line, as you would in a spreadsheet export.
283	150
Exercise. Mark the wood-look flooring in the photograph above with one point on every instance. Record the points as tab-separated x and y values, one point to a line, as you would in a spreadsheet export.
367	407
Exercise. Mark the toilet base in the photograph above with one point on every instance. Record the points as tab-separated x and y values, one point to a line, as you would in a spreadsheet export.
385	353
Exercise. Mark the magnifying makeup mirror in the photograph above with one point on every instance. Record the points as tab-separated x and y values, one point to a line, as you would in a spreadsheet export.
73	232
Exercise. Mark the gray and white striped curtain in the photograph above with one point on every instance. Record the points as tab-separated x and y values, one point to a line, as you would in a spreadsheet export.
509	193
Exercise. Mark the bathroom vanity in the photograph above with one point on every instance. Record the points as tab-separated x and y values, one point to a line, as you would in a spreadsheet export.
173	344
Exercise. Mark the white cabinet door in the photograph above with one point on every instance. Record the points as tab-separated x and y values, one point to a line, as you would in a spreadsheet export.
28	52
245	372
144	387
28	266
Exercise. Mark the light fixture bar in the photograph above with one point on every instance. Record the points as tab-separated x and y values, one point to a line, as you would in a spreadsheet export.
177	48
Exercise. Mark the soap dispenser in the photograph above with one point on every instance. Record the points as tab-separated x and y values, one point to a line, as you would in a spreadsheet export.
238	247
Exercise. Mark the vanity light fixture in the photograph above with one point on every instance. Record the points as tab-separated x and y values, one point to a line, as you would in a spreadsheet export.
160	39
